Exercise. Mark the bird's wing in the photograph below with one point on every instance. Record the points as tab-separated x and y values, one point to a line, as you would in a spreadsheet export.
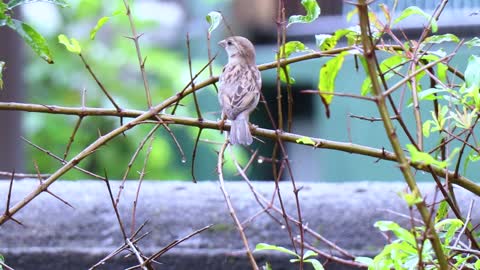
240	90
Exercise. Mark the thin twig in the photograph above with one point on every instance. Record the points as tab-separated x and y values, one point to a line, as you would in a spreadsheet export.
61	160
226	196
175	243
192	82
465	226
100	84
9	196
334	258
40	179
6	266
22	175
337	94
135	37
72	137
140	181
194	154
132	160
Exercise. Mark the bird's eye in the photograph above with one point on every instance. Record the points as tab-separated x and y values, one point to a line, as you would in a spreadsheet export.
229	43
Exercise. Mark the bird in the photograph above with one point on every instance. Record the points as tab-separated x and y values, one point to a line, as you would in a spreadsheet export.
239	89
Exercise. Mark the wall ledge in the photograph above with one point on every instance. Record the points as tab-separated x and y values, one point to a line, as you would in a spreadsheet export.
55	236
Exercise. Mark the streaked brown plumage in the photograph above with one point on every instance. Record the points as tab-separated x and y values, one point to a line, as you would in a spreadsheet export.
240	85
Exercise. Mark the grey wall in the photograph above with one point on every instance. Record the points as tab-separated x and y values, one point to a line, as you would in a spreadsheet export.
55	236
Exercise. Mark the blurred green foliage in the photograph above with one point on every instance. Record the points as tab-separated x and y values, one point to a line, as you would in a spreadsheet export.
113	58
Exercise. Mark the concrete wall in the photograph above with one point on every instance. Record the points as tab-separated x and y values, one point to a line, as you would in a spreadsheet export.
55	236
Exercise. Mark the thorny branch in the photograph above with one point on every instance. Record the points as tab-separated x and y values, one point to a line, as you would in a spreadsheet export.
153	116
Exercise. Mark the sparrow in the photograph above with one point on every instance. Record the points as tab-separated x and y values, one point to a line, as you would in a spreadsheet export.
239	87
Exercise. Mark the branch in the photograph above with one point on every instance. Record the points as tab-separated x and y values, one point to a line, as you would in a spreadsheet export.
403	163
266	133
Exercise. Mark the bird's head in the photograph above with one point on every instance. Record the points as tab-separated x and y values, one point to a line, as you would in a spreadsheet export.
239	50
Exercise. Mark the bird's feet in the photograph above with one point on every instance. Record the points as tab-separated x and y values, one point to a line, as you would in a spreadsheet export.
221	125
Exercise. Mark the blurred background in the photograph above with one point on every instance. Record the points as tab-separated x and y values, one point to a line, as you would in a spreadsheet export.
164	25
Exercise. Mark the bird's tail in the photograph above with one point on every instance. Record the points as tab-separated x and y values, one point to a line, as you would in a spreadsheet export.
240	132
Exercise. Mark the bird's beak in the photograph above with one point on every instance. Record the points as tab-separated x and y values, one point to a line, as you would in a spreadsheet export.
222	43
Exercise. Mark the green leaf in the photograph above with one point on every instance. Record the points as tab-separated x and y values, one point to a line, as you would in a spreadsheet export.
97	27
315	263
424	158
464	119
3	8
263	246
2	65
72	45
36	41
365	260
474	42
305	140
284	71
426	127
312	9
411	198
326	42
14	3
414	10
474	157
442	72
437	39
214	18
5	19
351	13
389	67
400	233
477	264
437	123
386	13
327	76
472	76
286	51
349	33
291	47
451	226
429	94
309	253
442	211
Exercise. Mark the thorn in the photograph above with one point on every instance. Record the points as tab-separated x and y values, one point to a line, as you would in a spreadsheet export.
58	198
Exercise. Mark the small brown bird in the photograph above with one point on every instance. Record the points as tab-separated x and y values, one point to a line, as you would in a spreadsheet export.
240	85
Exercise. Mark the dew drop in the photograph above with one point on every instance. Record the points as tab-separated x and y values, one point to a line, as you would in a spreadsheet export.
260	160
283	227
184	160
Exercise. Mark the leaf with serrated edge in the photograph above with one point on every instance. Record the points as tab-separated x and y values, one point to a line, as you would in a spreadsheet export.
315	263
437	39
213	18
312	9
34	39
327	76
418	11
264	246
424	158
285	51
72	45
305	140
97	27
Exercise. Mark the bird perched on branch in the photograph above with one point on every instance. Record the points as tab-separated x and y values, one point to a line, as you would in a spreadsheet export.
240	85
